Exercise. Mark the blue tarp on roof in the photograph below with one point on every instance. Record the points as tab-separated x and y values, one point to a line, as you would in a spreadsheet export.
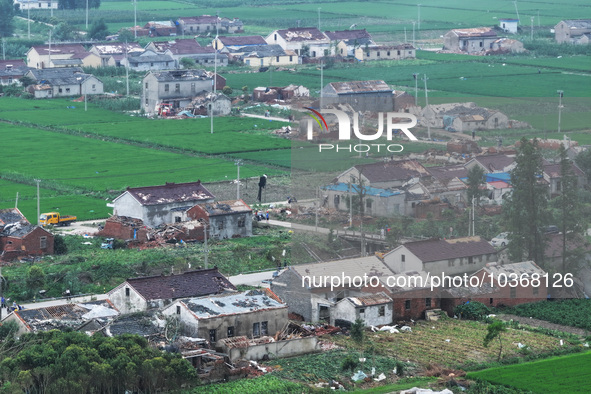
494	176
370	191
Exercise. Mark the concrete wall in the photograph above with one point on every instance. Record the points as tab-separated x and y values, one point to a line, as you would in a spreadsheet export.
154	91
279	349
345	310
393	260
22	328
91	86
380	206
377	53
127	304
256	62
288	286
126	205
459	266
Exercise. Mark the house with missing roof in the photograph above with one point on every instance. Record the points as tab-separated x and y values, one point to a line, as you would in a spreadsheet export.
377	201
265	55
375	96
465	117
306	293
11	71
148	60
509	25
234	43
472	40
63	82
79	317
453	256
386	174
208	103
385	52
224	219
156	205
19	238
304	41
111	54
495	290
253	314
347	41
573	31
177	88
203	24
141	294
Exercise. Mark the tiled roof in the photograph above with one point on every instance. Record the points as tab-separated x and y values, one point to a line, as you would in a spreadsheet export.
178	47
262	51
225	207
360	87
15	63
189	284
495	162
475	32
149	57
553	170
370	299
554	245
392	170
301	34
171	192
391	47
523	268
231	304
445	173
370	265
11	215
118	48
59	49
368	190
200	19
143	323
578	23
442	249
242	40
348	35
60	76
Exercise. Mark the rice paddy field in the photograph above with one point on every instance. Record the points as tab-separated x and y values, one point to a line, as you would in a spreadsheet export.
566	374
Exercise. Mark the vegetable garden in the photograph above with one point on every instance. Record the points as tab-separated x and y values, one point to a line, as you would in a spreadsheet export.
571	312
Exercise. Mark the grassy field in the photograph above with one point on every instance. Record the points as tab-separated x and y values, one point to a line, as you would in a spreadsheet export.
576	312
101	165
567	374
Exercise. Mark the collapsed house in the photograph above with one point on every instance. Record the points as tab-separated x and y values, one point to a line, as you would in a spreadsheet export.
286	93
20	238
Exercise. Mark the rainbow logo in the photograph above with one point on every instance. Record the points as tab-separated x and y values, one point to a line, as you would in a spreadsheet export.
316	118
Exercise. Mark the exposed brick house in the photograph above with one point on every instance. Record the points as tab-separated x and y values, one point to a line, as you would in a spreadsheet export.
140	294
225	219
492	294
20	238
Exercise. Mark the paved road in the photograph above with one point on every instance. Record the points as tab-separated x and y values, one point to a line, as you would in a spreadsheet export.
265	117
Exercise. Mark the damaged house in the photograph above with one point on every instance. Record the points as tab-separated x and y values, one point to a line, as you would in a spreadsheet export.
78	317
203	24
385	52
361	95
20	238
347	41
207	103
11	71
61	82
140	294
466	117
265	55
304	41
253	314
156	205
111	54
148	60
224	219
177	88
472	40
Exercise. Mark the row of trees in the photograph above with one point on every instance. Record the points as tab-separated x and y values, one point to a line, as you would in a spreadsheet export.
73	362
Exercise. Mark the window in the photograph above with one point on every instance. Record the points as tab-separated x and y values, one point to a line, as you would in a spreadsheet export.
43	242
313	53
146	101
193	87
220	225
127	292
378	54
167	64
407	305
481	44
398	53
402	258
362	310
367	53
264	328
275	37
60	90
93	87
212	335
256	329
382	311
166	87
291	58
177	219
277	59
67	90
146	85
388	53
177	88
535	290
428	302
9	80
513	292
152	64
178	309
230	331
496	122
450	263
410	52
490	301
470	260
248	62
241	222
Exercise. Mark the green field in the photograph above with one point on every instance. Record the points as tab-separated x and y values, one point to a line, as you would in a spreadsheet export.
101	165
571	312
567	374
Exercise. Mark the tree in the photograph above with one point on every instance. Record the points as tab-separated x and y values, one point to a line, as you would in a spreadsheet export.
526	210
187	62
476	178
35	277
495	329
65	32
98	30
357	333
59	245
227	90
569	205
7	13
583	160
125	36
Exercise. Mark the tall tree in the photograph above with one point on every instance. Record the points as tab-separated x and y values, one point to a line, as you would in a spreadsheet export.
7	13
526	210
98	30
495	329
569	206
476	178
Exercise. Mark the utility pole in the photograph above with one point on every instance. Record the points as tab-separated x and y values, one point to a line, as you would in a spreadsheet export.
560	94
3	48
86	14
416	77
16	201
215	72
134	19
350	205
426	105
238	163
413	34
405	40
473	217
38	204
126	70
319	17
532	29
516	11
29	20
205	250
316	205
419	17
1	292
49	61
321	80
85	103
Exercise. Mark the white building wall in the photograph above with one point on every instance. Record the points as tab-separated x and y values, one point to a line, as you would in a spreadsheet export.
393	260
127	304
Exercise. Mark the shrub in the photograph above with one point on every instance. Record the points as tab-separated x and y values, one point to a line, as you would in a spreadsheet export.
472	310
357	332
227	90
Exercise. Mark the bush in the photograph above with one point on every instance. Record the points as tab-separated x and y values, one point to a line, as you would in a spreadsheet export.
349	364
357	333
472	310
227	90
59	245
